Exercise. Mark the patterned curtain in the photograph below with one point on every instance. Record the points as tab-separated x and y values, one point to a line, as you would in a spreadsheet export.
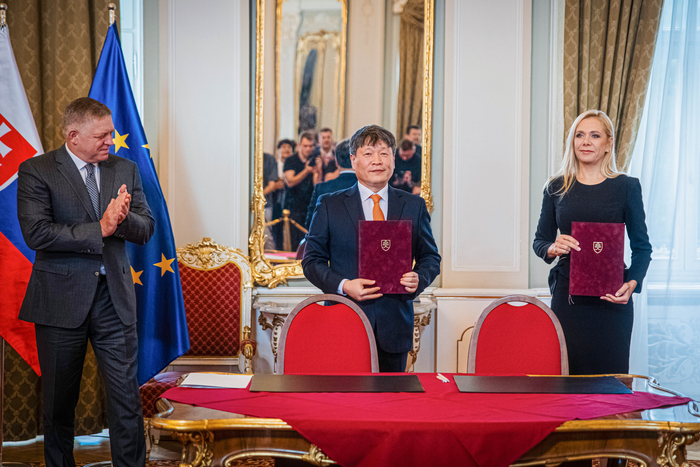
410	66
56	44
608	48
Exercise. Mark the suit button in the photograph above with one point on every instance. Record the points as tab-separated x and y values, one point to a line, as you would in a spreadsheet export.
97	273
103	243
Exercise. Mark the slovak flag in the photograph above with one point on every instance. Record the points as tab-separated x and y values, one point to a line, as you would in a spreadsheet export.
19	141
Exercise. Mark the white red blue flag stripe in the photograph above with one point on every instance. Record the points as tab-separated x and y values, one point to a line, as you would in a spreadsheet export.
19	141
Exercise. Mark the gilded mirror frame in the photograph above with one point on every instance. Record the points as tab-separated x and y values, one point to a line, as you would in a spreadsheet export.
264	272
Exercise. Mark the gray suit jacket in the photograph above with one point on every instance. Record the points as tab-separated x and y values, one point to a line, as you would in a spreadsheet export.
58	222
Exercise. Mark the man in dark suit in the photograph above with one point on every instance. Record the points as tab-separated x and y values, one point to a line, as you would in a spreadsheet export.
78	206
323	158
331	259
346	179
414	133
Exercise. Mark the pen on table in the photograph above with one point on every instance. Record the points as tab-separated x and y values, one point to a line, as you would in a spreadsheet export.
442	378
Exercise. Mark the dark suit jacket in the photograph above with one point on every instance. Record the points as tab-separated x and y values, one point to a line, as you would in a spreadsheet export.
332	255
344	180
58	222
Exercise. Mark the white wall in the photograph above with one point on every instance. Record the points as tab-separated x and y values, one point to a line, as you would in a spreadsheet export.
365	74
486	141
204	118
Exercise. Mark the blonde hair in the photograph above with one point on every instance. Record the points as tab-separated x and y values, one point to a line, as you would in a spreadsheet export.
569	164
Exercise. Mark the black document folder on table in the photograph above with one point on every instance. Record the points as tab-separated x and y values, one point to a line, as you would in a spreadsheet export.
336	383
540	385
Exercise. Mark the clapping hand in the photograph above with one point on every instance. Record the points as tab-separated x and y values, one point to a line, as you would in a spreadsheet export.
125	205
116	212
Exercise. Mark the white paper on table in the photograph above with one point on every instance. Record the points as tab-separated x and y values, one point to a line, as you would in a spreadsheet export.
212	380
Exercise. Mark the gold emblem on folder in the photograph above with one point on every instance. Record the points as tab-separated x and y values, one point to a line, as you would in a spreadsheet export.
386	244
597	247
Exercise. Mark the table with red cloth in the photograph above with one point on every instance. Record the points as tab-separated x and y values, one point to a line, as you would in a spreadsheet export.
438	427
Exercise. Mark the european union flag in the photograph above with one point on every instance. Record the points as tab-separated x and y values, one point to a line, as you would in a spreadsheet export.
162	327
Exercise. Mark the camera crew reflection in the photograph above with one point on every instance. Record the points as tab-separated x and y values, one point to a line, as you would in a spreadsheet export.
299	178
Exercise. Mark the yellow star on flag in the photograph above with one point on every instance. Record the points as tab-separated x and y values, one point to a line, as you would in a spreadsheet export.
146	146
165	265
136	276
119	141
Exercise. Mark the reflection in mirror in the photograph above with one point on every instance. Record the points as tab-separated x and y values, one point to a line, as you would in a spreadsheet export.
310	74
310	66
310	106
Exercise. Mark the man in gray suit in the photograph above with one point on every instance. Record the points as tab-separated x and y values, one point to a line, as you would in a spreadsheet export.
78	206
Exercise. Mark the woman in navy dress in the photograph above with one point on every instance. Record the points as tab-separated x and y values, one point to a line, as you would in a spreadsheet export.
588	188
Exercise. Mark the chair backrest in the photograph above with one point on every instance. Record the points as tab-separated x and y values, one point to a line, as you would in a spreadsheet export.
509	339
463	349
216	287
320	339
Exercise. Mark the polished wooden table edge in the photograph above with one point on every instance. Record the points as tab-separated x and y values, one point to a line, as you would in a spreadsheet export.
161	421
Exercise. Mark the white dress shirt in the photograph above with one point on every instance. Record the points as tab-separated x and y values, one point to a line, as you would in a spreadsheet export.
80	164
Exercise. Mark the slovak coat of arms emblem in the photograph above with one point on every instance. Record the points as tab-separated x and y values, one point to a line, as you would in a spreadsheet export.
597	247
386	244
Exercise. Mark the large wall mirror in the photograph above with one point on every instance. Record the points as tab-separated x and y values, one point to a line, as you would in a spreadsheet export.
311	56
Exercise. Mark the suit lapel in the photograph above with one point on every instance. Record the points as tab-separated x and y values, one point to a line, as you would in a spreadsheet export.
396	204
107	189
67	167
353	203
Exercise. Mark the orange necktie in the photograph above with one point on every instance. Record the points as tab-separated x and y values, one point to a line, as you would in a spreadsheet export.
377	214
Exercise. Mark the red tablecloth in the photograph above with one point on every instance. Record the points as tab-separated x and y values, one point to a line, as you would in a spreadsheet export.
439	427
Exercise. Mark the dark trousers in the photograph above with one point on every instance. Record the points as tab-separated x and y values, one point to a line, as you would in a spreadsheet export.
391	362
61	357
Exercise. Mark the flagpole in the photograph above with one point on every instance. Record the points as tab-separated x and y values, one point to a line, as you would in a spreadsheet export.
3	25
112	13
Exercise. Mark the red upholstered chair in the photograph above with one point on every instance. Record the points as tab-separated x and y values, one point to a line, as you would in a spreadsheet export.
510	339
320	339
216	287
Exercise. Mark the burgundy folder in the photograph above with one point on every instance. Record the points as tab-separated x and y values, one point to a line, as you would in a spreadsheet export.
597	269
385	253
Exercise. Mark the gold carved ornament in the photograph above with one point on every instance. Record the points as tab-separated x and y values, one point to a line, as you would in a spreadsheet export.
427	134
201	442
316	457
673	448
